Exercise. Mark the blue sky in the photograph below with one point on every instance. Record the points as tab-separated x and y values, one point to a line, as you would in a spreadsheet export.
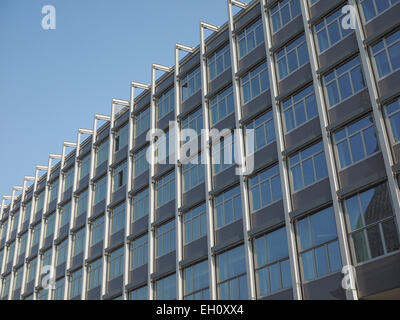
53	82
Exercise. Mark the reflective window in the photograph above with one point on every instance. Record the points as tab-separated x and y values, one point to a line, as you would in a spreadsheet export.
166	288
97	231
387	54
196	282
254	83
318	245
219	62
371	223
373	8
195	223
392	112
82	203
142	122
231	275
292	57
284	12
78	242
272	263
250	38
299	108
330	31
140	163
191	84
95	274
102	153
117	218
344	82
193	174
356	142
228	207
265	188
221	105
165	238
119	176
121	138
116	264
75	281
264	132
141	204
100	190
139	294
166	103
165	189
84	167
308	166
139	251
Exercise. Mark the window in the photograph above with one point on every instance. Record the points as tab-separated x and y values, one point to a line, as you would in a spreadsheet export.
284	12
140	162
65	213
344	81
4	230
166	288
250	38
196	282
193	121
254	83
46	261
221	105
142	122
163	148
82	203
219	62
50	224
75	284
264	132
371	224
121	138
54	190
95	271
373	8
299	108
18	278
292	57
35	235
265	188
5	287
272	263
141	204
387	54
224	153
228	207
59	291
78	242
195	224
1	257
27	212
165	238
84	167
14	222
119	176
356	142
165	189
102	153
308	166
68	179
318	245
392	112
232	282
10	253
166	103
191	84
330	31
39	202
100	190
193	174
42	294
313	2
61	253
139	294
116	263
31	270
97	231
139	252
22	245
117	219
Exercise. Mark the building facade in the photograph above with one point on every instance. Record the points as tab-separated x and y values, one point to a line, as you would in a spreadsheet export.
323	197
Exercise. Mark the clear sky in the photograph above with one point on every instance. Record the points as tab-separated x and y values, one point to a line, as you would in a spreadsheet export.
53	82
